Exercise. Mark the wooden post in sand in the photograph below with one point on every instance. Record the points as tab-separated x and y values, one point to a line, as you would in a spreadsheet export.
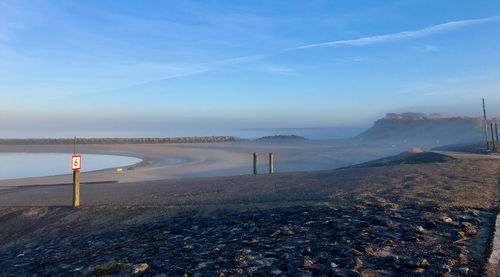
271	163
485	126
496	131
76	181
76	188
493	148
254	162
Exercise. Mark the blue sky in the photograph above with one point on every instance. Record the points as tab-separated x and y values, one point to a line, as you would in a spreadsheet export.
138	68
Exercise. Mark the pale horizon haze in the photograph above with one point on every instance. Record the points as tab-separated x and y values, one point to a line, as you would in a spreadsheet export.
195	68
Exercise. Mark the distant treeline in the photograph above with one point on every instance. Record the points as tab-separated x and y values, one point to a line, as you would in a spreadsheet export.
118	140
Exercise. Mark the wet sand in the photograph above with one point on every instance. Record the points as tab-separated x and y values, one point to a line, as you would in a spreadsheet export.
444	180
202	160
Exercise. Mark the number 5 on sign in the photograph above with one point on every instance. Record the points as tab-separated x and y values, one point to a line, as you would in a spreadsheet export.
76	162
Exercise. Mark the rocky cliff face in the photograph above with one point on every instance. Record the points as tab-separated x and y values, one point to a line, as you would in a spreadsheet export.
425	130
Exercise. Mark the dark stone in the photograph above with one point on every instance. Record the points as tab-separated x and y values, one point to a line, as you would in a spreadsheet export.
337	242
468	228
431	224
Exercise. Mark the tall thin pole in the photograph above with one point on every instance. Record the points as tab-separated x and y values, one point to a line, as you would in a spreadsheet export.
493	147
271	163
76	188
485	126
76	181
484	111
254	162
496	130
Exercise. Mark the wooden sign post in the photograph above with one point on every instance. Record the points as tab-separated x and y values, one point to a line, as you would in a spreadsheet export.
271	163
76	165
496	131
485	127
493	147
254	162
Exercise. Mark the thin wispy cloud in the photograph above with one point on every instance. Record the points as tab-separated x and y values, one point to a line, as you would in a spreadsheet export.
276	69
241	59
356	59
166	71
428	48
445	92
144	73
8	23
484	84
404	35
135	75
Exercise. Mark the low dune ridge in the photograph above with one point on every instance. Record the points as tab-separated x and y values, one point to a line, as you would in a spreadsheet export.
415	150
412	156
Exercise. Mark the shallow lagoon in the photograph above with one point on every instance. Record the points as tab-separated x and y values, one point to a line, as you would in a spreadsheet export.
22	165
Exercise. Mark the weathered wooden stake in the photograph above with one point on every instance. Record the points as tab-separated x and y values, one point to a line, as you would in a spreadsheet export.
76	181
493	148
485	126
76	188
271	163
254	162
496	130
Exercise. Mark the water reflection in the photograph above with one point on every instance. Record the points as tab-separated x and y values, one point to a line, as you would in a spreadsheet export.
21	165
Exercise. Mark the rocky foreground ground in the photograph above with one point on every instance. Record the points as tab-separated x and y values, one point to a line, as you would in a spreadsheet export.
402	216
372	240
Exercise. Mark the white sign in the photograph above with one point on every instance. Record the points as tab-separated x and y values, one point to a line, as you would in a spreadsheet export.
76	162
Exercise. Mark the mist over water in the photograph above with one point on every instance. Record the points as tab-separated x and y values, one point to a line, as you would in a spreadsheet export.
309	133
314	133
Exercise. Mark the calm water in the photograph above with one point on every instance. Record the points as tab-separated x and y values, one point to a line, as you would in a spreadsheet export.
21	165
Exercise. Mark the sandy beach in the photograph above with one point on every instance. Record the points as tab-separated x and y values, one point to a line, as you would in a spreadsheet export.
434	218
203	159
412	213
248	188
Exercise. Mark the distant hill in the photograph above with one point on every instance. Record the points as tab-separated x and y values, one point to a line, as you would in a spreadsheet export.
282	137
414	129
119	140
